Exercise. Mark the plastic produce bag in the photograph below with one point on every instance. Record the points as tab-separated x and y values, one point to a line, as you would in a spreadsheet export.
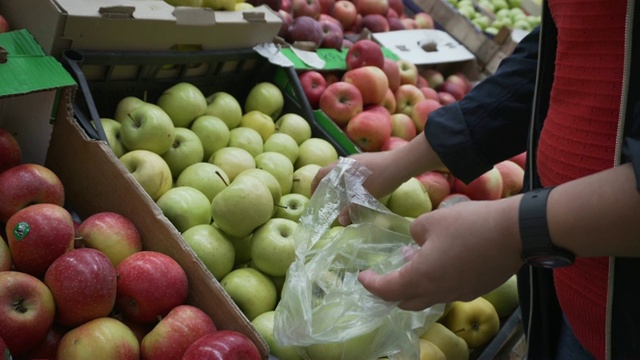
324	310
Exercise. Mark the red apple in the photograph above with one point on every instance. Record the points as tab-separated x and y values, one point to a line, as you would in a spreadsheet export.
421	82
4	25
326	6
38	235
305	28
433	76
83	284
309	8
369	130
512	177
333	36
370	80
10	152
27	184
392	69
408	72
150	284
389	101
520	159
402	126
430	93
424	20
452	199
275	5
223	345
345	12
437	186
4	350
313	84
173	335
461	79
407	96
48	347
395	24
369	7
487	186
392	14
375	23
286	6
364	52
452	88
446	98
397	6
421	111
392	143
287	20
332	76
341	101
409	23
138	329
27	311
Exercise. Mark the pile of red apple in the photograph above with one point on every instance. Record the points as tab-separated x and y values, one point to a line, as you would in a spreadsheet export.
75	288
4	25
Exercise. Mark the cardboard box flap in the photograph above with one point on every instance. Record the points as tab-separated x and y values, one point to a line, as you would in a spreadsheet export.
424	47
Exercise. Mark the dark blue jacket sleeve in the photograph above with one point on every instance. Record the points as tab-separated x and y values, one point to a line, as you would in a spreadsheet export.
491	122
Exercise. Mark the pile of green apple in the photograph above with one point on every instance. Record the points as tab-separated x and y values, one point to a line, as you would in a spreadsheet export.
491	15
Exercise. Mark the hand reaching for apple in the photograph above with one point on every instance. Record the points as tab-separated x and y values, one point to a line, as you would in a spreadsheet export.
466	250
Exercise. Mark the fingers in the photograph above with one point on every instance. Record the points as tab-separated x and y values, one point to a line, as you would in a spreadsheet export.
320	175
391	288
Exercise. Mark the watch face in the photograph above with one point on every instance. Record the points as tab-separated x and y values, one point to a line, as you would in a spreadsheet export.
549	261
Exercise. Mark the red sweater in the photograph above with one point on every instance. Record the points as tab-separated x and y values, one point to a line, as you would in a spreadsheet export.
578	139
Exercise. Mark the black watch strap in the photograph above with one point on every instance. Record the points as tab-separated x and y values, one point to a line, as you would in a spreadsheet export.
537	247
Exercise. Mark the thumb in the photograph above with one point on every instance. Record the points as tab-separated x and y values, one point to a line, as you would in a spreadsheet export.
389	287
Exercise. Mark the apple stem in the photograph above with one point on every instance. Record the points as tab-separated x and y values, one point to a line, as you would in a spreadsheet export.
459	330
296	179
281	206
221	177
78	242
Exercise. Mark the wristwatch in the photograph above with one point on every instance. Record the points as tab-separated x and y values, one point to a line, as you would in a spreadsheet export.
537	248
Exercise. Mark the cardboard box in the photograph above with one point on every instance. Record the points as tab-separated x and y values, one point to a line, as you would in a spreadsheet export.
138	25
94	179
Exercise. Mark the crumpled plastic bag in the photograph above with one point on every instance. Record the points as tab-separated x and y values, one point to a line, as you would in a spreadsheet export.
323	304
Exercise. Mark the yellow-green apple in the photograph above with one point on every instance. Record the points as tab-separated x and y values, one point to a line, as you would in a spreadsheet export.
392	69
304	28
150	284
408	72
37	235
424	20
407	96
26	184
242	247
452	199
310	8
125	106
453	346
332	34
247	138
302	178
268	179
212	132
233	160
366	7
223	345
5	256
341	101
291	206
389	101
375	23
353	348
224	106
487	186
273	246
364	52
420	112
265	97
402	126
112	131
175	332
186	150
434	77
28	311
242	206
316	151
313	85
183	102
251	290
445	98
113	234
512	177
149	170
295	126
429	351
83	285
284	144
185	207
520	159
437	186
46	349
410	199
430	93
392	143
147	127
212	247
10	151
262	123
279	166
453	88
104	337
210	179
263	324
345	12
504	298
369	130
475	321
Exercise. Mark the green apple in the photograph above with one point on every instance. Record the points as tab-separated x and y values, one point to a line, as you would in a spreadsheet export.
453	346
410	199
242	247
268	179
260	122
273	247
233	160
212	247
263	324
429	351
210	179
224	106
316	151
149	170
185	207
475	321
125	106
183	102
291	206
327	237
279	166
355	348
295	126
147	127
251	290
186	150
265	97
243	206
246	138
504	298
112	131
284	144
213	133
302	178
